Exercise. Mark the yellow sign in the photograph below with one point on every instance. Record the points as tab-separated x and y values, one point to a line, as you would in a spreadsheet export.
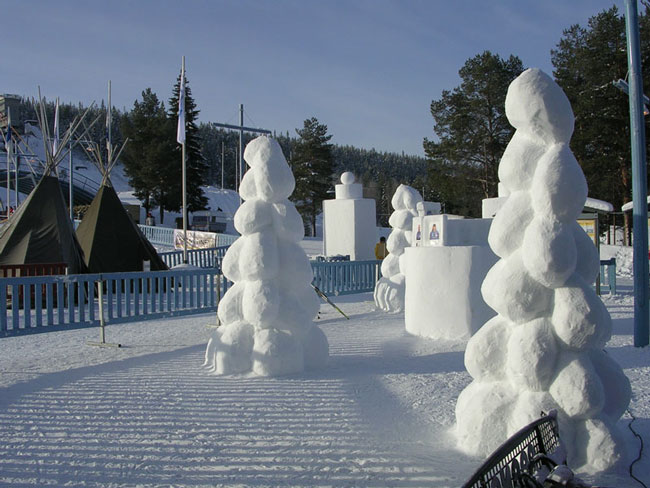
589	226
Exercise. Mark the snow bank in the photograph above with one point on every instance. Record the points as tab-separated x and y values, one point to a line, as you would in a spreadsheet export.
543	350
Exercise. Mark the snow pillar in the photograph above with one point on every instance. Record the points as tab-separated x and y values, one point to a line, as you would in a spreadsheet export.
543	350
349	222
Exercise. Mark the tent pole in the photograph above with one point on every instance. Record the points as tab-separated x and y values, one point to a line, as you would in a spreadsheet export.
70	196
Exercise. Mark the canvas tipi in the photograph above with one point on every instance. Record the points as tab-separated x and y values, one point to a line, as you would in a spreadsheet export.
40	231
110	239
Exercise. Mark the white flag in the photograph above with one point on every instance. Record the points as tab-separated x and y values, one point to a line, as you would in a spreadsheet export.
55	145
180	133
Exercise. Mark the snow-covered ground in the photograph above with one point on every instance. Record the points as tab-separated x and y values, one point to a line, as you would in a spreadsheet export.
149	414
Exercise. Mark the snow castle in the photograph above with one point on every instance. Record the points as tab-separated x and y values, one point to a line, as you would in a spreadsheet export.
543	350
267	314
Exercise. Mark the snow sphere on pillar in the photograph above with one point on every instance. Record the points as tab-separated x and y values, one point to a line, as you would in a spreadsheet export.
389	290
267	315
543	350
347	178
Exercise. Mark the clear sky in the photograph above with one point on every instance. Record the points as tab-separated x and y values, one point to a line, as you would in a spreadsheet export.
368	69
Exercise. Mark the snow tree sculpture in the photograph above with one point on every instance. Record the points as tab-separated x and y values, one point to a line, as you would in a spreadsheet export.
389	290
267	314
544	348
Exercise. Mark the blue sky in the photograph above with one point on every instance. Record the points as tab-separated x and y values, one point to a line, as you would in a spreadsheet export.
368	69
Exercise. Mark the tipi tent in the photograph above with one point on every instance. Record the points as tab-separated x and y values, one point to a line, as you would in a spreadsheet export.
40	231
110	240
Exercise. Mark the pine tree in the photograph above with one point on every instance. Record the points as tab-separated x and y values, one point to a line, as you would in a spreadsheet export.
312	164
149	155
586	61
472	132
196	166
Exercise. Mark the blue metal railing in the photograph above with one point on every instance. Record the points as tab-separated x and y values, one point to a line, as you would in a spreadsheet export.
345	277
608	276
159	236
43	303
202	258
164	236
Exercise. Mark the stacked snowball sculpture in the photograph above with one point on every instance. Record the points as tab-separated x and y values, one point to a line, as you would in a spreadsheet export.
389	290
267	314
543	350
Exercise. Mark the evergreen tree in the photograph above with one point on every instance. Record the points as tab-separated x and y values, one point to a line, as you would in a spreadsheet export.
312	166
586	61
472	133
149	156
195	165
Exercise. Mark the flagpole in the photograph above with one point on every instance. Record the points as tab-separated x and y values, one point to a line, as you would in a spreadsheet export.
181	139
8	160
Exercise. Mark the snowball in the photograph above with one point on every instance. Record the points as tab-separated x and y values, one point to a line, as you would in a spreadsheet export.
396	243
230	262
258	259
298	308
530	406
532	355
605	447
229	308
295	271
273	178
580	318
618	390
537	105
260	303
247	187
550	251
485	352
287	221
234	349
511	292
519	161
276	353
482	412
252	216
347	178
210	360
559	186
588	262
401	219
405	197
316	348
388	295
390	265
507	229
576	387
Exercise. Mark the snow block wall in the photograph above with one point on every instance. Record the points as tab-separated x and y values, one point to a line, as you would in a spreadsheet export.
389	290
543	350
267	314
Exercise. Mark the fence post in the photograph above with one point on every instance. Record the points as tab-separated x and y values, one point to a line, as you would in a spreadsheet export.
102	333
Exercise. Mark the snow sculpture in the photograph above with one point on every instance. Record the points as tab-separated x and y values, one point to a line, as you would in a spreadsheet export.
389	290
349	222
267	314
544	348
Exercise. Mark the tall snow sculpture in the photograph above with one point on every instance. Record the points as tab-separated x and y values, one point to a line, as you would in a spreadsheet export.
543	350
267	314
389	290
